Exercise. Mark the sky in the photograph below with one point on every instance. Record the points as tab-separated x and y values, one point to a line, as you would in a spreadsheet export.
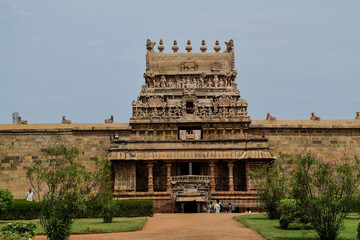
85	59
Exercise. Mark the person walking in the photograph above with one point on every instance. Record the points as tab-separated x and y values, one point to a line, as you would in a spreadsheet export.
230	208
209	207
217	207
29	195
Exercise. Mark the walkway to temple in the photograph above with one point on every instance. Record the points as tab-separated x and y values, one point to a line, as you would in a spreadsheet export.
183	226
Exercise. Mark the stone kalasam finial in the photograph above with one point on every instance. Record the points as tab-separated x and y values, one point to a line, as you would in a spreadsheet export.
314	117
229	45
110	120
65	121
217	46
188	46
175	47
161	46
357	115
203	46
19	121
269	117
150	45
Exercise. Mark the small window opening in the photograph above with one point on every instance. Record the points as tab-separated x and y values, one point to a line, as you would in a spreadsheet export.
189	108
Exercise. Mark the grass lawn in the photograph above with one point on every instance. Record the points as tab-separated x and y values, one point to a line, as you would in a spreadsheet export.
270	229
81	225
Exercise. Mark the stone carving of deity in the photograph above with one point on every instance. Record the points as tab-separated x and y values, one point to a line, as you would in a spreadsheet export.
221	82
170	84
216	81
188	83
202	80
231	112
156	83
163	81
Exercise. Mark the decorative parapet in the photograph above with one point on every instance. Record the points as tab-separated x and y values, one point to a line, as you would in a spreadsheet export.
190	179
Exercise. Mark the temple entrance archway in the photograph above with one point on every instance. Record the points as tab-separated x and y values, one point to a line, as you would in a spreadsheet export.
190	207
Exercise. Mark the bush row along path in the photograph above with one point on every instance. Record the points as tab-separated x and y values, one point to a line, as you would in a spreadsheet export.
182	226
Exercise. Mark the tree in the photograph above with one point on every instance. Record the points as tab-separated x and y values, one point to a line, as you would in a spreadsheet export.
324	191
69	184
271	182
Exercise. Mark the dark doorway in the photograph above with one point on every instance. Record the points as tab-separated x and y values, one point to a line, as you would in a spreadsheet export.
184	168
190	207
196	168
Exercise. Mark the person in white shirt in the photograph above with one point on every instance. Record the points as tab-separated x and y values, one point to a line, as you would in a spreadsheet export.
29	195
217	207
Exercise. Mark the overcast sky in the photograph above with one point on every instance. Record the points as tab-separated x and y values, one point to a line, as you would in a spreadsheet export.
85	59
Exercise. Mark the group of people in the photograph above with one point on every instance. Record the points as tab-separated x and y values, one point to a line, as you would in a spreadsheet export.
218	207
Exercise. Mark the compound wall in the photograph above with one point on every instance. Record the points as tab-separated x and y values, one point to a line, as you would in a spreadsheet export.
20	145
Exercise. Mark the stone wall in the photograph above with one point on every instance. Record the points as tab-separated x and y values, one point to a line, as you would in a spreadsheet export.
20	145
328	139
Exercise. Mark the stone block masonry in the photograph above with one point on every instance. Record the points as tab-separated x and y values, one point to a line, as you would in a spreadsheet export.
20	145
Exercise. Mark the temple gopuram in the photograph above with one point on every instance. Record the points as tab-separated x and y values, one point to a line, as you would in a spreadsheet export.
190	140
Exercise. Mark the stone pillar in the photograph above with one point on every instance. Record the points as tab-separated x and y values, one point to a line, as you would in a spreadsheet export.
150	177
190	168
231	176
212	176
247	178
182	207
198	207
168	175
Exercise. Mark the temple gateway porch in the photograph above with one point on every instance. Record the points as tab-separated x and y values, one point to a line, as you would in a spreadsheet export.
188	183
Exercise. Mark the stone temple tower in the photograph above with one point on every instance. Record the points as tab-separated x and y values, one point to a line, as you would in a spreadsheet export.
189	140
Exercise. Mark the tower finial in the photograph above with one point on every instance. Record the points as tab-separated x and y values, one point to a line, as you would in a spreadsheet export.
217	46
161	46
203	46
188	47
175	48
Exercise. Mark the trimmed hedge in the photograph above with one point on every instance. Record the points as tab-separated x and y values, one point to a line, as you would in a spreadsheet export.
122	208
134	208
21	209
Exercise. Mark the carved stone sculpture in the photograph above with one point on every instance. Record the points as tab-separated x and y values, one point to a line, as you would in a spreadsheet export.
110	120
357	115
269	117
65	121
19	121
314	117
150	45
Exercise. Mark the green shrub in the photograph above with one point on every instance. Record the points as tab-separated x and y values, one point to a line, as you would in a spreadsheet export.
121	208
56	228
134	208
21	209
14	236
20	227
6	199
288	211
108	212
291	214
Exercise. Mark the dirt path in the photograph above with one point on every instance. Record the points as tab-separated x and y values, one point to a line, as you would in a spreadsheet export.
182	226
